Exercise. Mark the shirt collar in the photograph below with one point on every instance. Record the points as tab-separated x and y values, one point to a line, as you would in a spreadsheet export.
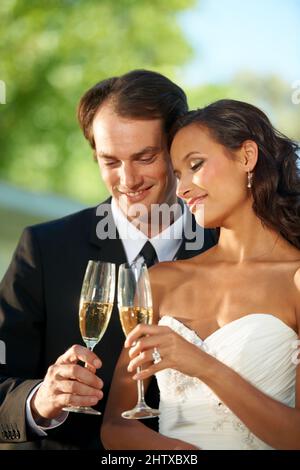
166	243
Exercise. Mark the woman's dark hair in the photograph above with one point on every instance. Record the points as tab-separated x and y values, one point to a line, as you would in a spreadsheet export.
139	94
276	176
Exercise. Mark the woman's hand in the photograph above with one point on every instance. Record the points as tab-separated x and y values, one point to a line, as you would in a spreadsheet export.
175	351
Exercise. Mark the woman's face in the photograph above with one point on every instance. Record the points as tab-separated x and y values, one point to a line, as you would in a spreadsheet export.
210	179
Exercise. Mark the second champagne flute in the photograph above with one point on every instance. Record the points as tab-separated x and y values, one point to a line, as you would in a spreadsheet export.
95	307
135	306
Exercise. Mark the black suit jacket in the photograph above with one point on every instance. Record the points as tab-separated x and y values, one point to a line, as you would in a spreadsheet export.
39	298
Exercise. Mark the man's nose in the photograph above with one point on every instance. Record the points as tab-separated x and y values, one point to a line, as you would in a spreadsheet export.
129	176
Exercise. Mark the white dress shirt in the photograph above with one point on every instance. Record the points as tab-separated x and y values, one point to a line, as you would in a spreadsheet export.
166	243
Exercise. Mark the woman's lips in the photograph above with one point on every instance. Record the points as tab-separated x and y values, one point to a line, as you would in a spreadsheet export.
192	203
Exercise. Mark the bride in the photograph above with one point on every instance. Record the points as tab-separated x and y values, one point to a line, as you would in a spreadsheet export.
228	319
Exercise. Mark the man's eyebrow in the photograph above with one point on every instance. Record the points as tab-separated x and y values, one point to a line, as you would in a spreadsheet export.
145	150
105	155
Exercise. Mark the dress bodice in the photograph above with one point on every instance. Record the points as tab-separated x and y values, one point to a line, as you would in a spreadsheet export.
259	347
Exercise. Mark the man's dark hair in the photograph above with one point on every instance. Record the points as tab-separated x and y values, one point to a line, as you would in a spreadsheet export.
139	94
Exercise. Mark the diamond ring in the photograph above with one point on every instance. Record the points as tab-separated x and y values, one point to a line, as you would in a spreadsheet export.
156	356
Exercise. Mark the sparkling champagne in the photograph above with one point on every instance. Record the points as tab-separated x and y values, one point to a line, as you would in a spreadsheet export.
132	316
93	320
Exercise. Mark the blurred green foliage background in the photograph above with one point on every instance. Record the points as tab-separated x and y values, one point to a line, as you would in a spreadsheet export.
53	51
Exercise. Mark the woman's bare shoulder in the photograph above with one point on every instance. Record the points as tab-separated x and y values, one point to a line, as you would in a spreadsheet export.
172	270
167	268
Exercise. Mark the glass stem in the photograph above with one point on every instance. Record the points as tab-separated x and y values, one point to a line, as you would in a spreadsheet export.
90	348
140	387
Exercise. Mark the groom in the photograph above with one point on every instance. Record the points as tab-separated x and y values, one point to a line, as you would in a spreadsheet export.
126	120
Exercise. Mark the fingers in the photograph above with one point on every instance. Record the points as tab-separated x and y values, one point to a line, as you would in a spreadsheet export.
164	337
90	368
65	385
68	399
68	383
142	348
145	362
141	356
148	342
80	353
148	371
75	372
145	359
143	330
142	341
76	388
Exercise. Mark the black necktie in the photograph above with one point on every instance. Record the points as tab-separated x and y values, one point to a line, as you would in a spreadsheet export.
149	254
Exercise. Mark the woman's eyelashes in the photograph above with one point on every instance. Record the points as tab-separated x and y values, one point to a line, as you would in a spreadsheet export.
193	165
196	165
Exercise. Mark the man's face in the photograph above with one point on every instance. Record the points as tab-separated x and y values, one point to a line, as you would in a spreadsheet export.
133	160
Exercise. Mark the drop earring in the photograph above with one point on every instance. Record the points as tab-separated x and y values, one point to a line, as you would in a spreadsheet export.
250	176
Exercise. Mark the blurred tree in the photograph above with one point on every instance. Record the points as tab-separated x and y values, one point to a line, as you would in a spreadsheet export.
270	93
51	52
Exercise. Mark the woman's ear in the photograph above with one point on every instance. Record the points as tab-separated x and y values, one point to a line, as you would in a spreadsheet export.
249	155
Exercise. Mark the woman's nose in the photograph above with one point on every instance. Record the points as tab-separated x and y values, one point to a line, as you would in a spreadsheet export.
183	189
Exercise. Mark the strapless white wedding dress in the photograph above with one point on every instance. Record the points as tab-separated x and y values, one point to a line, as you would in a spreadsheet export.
257	346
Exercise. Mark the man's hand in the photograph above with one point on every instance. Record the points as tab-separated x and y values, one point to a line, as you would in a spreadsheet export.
68	384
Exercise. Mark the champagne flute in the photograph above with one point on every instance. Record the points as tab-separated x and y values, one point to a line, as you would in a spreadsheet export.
135	306
95	307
